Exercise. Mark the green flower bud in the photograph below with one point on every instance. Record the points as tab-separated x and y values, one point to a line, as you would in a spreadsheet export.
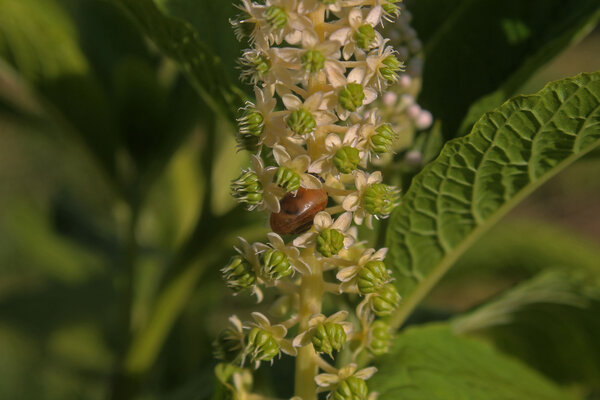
256	65
251	126
390	66
261	345
328	337
365	36
381	337
275	265
287	179
238	274
390	8
372	277
301	121
380	199
228	345
352	96
276	17
386	301
384	138
346	159
313	61
247	189
330	242
351	388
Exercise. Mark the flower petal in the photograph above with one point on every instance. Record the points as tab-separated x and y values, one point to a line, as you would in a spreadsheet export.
365	373
291	102
326	380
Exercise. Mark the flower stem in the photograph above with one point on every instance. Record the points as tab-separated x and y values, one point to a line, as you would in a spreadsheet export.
311	296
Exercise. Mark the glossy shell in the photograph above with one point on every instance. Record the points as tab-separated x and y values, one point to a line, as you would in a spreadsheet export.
298	211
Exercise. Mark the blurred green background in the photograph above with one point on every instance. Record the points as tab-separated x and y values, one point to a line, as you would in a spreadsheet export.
115	214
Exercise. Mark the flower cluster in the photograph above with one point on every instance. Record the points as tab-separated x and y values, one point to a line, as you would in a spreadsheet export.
316	66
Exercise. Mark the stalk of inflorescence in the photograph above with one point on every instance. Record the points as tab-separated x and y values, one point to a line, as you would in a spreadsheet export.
315	66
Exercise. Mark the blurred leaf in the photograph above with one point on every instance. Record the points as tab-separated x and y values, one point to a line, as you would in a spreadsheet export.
227	166
211	20
482	51
550	322
183	44
477	179
549	287
431	363
522	248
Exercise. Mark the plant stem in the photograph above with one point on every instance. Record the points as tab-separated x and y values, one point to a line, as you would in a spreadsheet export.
311	298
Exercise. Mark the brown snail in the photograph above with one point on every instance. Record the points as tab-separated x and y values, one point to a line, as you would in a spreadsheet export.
298	211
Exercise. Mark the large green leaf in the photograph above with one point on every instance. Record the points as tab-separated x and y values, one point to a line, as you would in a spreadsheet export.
431	363
477	179
533	319
482	51
178	40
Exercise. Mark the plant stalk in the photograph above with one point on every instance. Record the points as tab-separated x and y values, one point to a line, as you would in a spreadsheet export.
311	299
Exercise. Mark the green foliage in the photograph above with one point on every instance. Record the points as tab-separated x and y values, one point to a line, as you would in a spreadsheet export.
477	179
499	45
431	363
115	157
182	43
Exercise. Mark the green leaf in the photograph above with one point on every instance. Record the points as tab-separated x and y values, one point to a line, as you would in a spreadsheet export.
477	179
488	49
179	41
431	363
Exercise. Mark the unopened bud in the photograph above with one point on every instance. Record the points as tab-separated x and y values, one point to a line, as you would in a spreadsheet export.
390	8
390	66
328	337
372	277
346	159
383	139
380	338
330	242
247	189
380	199
385	301
352	96
238	274
301	121
228	345
275	265
351	388
287	178
261	345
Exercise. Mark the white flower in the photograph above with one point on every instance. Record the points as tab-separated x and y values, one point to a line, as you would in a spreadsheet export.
349	275
271	192
375	63
299	165
250	254
324	221
278	332
352	202
291	252
304	338
339	82
330	381
316	104
348	34
333	142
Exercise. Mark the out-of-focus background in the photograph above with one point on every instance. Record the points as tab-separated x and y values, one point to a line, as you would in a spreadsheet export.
115	214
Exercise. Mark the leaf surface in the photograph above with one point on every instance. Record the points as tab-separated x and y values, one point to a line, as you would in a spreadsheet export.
431	363
477	179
